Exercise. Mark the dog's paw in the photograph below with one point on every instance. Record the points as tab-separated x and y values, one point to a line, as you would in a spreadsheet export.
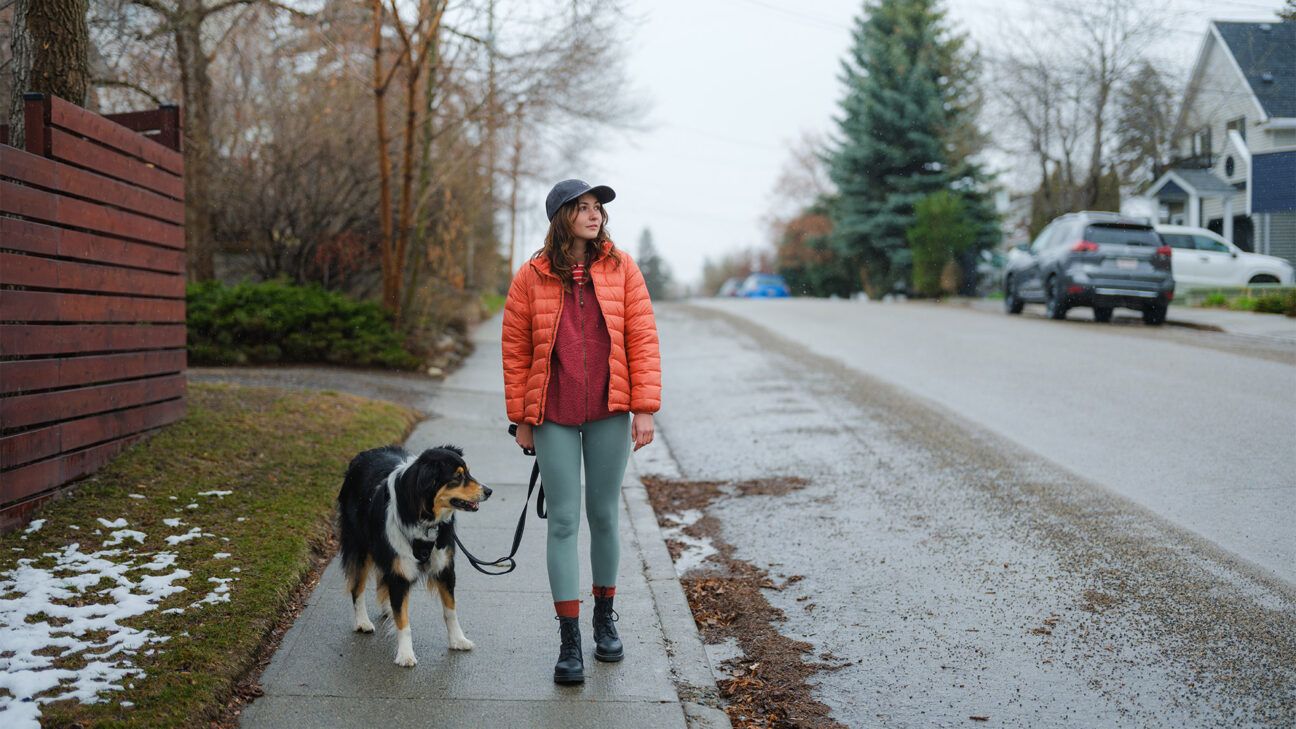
461	644
406	659
365	626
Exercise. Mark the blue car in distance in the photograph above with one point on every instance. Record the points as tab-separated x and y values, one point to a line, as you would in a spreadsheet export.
764	286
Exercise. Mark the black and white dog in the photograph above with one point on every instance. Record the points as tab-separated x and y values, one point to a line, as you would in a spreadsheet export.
396	516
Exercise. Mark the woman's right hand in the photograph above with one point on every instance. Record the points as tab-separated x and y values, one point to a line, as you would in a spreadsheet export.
525	436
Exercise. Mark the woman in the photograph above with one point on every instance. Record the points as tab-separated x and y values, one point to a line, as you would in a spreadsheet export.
580	357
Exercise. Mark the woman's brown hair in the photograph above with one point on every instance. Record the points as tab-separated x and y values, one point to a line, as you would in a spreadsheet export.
559	239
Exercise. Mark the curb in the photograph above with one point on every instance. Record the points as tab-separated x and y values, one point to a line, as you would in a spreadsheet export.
691	670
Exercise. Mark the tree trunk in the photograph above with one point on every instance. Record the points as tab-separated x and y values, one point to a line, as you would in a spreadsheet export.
195	84
20	46
60	62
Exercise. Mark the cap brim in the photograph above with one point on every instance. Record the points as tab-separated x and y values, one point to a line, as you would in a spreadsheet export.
602	193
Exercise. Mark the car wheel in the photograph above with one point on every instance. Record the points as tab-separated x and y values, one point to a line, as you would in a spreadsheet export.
1054	308
1012	304
1155	316
1102	314
1263	278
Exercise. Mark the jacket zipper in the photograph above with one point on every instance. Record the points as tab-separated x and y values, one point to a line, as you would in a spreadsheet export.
580	299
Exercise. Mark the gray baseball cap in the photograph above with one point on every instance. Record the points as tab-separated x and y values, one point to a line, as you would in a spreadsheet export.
568	190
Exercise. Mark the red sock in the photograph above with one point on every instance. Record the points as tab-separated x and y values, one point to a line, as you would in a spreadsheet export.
567	608
608	591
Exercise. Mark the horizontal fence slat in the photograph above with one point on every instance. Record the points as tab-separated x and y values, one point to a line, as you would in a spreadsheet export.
34	445
47	374
50	306
20	270
31	202
36	339
83	153
25	235
34	478
68	180
69	116
47	407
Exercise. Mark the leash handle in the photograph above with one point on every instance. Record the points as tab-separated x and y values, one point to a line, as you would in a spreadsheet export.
508	564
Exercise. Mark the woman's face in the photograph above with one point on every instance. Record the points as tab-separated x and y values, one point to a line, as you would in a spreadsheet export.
588	219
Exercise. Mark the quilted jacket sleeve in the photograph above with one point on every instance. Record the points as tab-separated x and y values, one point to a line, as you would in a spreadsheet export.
642	353
516	343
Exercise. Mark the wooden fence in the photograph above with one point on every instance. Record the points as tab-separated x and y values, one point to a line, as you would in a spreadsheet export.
92	283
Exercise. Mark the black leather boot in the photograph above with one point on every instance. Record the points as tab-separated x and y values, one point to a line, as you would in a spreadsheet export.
607	644
570	668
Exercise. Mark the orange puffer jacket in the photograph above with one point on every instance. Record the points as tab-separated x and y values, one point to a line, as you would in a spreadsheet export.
531	320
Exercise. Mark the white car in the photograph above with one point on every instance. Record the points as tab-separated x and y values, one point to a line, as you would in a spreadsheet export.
1202	258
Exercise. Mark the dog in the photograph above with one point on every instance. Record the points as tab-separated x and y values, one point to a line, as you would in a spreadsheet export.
396	517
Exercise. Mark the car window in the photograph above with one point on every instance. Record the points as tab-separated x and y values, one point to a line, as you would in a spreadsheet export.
1122	235
1180	241
1042	240
1210	244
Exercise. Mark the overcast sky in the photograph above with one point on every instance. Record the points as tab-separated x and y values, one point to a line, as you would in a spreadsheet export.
733	82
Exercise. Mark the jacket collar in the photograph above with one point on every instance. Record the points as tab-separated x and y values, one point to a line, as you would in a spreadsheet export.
541	263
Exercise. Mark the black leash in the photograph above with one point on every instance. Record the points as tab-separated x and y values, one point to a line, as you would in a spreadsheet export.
541	512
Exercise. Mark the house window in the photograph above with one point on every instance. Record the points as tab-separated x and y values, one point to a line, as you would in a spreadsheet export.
1239	124
1202	143
1228	166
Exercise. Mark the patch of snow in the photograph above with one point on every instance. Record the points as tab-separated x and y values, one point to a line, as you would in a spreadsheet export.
172	522
235	569
122	535
695	550
194	533
74	526
90	628
137	496
221	494
173	498
192	506
241	518
34	526
220	594
221	555
114	524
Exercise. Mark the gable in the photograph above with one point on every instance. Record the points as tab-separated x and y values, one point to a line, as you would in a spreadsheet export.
1265	54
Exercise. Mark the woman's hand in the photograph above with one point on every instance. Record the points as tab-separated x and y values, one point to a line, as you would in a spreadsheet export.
641	429
525	436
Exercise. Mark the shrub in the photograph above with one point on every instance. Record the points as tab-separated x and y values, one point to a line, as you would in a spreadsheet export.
941	229
1215	299
276	322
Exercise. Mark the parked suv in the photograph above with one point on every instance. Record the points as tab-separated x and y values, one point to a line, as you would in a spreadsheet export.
1203	258
1095	259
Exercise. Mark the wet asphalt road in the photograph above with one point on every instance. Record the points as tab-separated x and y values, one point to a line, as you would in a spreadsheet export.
998	523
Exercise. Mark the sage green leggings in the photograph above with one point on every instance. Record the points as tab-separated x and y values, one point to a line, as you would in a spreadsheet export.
605	445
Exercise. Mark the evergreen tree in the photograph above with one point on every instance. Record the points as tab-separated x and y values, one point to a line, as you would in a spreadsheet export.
907	130
656	273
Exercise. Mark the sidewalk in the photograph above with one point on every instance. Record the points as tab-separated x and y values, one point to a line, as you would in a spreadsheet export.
326	675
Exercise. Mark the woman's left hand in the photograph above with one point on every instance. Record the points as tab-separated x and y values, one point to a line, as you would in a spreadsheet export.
641	430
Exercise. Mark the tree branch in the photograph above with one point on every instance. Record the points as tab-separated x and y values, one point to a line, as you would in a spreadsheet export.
128	85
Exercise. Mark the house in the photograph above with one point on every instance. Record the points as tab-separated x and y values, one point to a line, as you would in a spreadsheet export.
1235	140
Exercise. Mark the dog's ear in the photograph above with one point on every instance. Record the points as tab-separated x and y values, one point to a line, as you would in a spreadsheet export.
453	449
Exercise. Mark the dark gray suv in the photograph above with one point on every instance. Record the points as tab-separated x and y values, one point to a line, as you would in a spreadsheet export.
1101	260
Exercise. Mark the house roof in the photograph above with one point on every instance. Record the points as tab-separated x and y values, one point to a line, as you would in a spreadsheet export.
1176	183
1266	55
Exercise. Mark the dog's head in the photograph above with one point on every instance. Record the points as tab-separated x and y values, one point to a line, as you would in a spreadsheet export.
437	484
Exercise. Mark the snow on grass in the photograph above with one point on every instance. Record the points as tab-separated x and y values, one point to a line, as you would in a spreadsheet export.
220	594
34	526
191	534
122	535
51	618
172	522
221	494
114	524
192	506
221	555
137	496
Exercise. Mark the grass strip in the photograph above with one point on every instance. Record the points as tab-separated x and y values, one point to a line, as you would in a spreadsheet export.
281	456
